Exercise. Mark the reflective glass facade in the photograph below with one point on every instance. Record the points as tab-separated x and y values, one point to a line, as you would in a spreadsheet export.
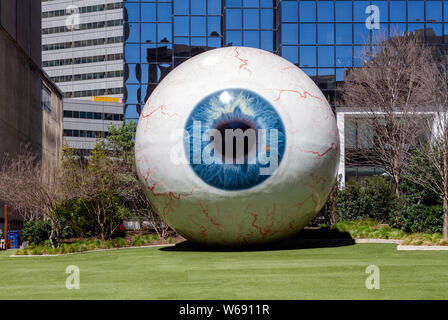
322	37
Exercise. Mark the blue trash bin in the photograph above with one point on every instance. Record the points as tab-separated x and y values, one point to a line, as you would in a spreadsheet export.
14	239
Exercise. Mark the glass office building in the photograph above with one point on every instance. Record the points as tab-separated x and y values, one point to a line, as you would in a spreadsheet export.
323	38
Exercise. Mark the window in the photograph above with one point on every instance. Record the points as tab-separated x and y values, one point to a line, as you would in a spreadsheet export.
251	39
344	56
344	33
384	10
325	11
164	31
291	53
307	33
148	12
233	17
214	25
434	11
213	7
416	11
362	34
45	98
289	11
251	19
181	7
307	11
343	11
198	7
325	56
308	56
164	12
132	11
359	10
181	26
233	3
290	34
267	40
198	26
267	19
325	33
397	11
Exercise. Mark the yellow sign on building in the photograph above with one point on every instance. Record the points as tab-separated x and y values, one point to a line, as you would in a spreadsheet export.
106	99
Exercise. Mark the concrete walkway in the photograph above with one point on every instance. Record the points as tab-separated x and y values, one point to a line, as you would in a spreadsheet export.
88	251
405	247
378	241
427	248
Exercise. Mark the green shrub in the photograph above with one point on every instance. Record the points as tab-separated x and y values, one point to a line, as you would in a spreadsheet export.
120	242
368	229
75	219
155	237
137	241
36	231
109	244
418	218
367	198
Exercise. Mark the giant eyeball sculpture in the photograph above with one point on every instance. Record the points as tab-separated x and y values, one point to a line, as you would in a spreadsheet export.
237	146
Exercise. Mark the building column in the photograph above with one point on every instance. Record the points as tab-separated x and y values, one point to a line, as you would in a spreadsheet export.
340	118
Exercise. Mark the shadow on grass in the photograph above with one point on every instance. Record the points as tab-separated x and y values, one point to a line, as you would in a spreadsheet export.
308	238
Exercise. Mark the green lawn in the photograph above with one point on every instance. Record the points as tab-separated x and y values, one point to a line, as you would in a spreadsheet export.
155	273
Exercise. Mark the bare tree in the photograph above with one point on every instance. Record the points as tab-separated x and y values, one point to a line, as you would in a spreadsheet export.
29	189
97	184
386	89
120	146
132	190
429	165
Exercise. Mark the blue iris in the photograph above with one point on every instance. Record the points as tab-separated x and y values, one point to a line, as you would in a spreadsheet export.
234	139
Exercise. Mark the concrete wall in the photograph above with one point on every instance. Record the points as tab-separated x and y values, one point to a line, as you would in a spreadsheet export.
22	20
23	120
52	129
20	89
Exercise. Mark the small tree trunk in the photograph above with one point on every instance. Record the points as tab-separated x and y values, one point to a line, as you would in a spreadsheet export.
445	196
397	185
445	218
52	233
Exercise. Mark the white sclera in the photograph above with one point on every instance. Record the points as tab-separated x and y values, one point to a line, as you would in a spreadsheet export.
278	207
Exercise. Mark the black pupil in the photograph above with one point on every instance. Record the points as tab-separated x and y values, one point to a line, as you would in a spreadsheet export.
233	125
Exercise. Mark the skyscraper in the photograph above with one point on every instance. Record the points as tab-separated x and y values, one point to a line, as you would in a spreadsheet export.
322	37
82	51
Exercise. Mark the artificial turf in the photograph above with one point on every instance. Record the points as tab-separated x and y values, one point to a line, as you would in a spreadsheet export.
170	273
